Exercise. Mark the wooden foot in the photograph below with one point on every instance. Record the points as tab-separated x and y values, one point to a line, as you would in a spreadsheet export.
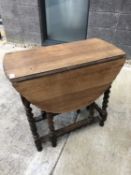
53	137
32	124
101	123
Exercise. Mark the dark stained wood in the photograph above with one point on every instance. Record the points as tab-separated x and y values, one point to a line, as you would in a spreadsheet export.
91	111
54	134
43	114
74	126
52	129
64	78
71	128
104	106
106	99
32	124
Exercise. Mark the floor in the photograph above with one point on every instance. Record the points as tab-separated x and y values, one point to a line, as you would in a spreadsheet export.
93	150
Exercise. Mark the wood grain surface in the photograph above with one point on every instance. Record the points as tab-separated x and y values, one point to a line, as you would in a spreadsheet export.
65	77
41	61
70	90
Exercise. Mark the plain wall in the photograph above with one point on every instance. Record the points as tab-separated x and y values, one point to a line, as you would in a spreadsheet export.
21	21
111	20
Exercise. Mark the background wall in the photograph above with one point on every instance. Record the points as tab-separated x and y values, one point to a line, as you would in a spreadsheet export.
108	19
21	20
111	20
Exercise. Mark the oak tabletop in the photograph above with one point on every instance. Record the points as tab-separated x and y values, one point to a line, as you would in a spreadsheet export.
57	58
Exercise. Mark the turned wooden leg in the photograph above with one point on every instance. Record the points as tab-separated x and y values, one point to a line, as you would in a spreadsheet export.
105	105
43	114
52	129
106	99
32	124
91	112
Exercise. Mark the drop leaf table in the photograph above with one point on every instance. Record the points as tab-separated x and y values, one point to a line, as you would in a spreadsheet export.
63	78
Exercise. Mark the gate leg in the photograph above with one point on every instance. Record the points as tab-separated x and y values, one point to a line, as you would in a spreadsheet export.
43	114
91	112
32	124
105	105
52	129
